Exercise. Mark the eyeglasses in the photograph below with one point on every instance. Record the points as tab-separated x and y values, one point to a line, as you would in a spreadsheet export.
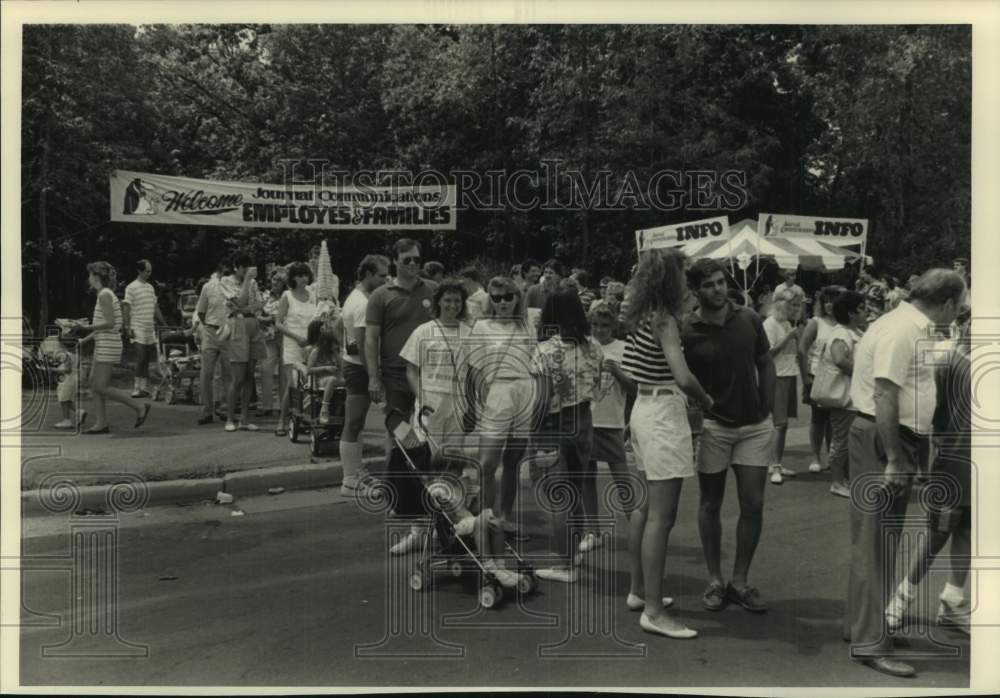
502	297
410	260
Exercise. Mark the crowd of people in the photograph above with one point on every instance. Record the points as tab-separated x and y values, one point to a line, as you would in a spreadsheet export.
692	378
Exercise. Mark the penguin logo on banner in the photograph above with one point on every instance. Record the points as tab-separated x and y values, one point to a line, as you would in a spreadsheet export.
136	201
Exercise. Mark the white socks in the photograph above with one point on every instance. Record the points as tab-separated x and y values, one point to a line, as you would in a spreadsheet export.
952	594
350	459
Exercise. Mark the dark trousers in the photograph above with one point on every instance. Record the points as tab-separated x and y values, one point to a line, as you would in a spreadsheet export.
143	354
876	522
404	483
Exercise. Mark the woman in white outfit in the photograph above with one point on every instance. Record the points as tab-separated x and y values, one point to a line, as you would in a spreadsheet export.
295	311
661	434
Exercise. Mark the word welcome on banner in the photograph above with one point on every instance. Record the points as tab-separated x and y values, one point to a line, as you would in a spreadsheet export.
842	232
682	233
140	197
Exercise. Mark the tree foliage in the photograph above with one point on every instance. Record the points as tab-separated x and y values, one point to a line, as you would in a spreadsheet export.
837	120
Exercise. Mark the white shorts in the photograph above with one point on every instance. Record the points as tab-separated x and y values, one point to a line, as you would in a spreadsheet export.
509	408
661	437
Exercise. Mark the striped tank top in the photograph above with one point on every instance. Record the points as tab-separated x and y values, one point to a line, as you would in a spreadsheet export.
644	359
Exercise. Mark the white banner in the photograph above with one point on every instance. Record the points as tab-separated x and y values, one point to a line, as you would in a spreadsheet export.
682	233
842	232
140	197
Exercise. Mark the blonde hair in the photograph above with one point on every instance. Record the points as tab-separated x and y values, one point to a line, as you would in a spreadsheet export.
658	287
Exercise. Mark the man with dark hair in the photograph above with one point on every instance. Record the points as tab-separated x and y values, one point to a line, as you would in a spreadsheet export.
552	273
139	313
212	314
727	350
478	299
434	271
531	270
894	392
372	272
394	311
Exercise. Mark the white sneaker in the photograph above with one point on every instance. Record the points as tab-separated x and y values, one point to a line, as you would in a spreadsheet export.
136	392
507	579
841	490
558	574
64	424
896	609
230	426
788	472
815	467
776	475
589	542
249	427
406	545
955	616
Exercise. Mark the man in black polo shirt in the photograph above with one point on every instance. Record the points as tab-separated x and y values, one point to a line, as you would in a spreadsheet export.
726	347
394	311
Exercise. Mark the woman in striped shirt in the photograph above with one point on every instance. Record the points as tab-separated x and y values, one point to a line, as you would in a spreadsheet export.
661	436
106	333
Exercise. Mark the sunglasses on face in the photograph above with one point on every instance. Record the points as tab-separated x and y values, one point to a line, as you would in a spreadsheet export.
410	260
502	297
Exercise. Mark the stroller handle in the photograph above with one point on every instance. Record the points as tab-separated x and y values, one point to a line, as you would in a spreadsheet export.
395	416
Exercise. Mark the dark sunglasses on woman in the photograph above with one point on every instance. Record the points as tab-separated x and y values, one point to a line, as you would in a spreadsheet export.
502	297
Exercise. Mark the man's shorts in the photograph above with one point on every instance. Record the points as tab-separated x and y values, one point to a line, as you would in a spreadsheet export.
661	437
246	341
786	402
950	520
355	379
722	446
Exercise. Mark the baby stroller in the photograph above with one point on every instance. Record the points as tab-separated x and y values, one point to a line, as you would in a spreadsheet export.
458	555
305	401
180	369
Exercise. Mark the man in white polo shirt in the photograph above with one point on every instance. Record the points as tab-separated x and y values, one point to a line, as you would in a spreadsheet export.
139	312
894	392
372	271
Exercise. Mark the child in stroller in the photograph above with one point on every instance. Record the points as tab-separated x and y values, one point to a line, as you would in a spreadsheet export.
471	543
179	365
318	381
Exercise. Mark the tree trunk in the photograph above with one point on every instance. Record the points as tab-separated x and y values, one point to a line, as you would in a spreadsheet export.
43	239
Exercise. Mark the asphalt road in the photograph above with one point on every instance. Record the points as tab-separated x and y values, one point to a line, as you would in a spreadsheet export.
292	592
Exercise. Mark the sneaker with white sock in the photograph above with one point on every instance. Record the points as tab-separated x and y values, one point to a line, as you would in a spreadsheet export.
815	467
775	474
230	426
407	544
566	575
954	615
589	542
896	610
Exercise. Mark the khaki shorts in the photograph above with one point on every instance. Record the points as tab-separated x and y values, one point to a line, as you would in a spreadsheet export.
723	446
509	408
246	341
661	437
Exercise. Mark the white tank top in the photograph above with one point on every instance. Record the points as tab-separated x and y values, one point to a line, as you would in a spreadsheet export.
300	314
823	329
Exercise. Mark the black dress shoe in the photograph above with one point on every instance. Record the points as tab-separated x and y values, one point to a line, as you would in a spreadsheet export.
889	666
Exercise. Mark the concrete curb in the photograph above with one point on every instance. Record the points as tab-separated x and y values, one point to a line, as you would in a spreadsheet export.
241	483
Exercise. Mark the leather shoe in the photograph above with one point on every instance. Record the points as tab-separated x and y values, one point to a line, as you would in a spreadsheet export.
890	666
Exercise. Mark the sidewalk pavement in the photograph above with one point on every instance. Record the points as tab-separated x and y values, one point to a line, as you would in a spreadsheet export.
181	461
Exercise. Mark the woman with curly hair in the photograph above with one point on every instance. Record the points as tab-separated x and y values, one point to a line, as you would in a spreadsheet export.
106	334
661	435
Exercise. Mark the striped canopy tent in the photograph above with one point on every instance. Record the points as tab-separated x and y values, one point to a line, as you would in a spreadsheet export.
745	246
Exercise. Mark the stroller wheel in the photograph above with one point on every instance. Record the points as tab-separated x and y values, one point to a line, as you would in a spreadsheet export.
456	569
293	429
314	443
527	583
417	581
490	596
